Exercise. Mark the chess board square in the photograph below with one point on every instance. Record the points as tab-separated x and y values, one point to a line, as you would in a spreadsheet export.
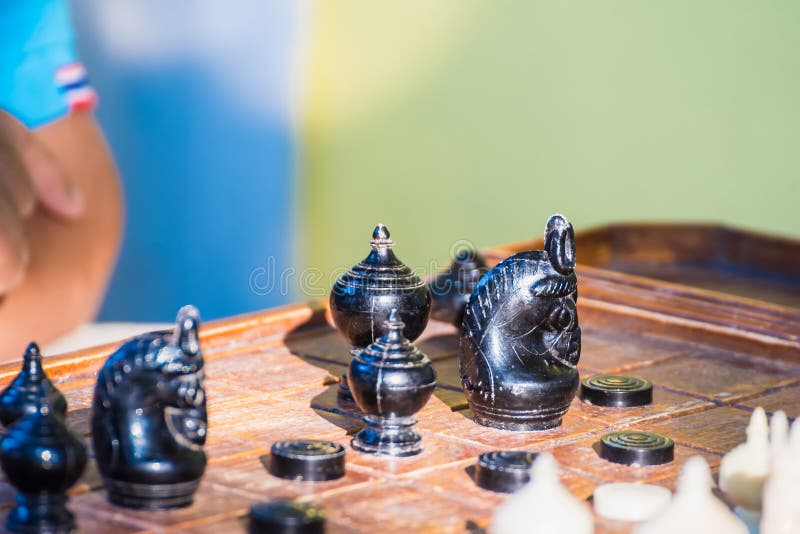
619	351
458	481
460	425
209	504
278	371
407	506
786	399
717	430
716	376
249	477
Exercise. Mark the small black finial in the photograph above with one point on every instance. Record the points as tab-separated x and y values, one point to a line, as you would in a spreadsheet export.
381	238
32	361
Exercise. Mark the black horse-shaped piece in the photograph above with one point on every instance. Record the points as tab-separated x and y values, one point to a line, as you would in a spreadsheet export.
520	339
149	418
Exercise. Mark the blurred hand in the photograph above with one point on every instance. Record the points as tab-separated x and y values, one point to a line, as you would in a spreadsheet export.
29	178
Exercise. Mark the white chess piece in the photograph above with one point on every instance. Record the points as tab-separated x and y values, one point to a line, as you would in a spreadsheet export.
622	501
744	469
543	506
781	514
694	509
778	433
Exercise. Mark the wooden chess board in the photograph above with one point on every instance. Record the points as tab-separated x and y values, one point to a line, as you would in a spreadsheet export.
273	375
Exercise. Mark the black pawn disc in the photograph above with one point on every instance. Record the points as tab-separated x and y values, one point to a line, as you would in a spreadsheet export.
635	447
286	517
616	391
307	460
503	471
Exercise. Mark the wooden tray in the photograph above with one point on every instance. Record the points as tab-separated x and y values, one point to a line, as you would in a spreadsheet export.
272	375
712	257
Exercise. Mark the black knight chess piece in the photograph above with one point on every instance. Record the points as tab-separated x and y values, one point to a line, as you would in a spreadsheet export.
23	394
452	288
42	459
361	298
149	418
520	340
390	381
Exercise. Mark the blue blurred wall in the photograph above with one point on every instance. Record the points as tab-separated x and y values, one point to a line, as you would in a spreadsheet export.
196	101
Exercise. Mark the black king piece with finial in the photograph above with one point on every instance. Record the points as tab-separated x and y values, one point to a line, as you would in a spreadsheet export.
520	339
361	298
149	418
41	458
23	394
390	381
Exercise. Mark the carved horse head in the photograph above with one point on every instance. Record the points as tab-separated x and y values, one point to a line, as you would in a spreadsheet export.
520	336
149	403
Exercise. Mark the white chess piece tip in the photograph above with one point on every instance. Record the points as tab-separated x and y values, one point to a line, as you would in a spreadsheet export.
695	476
544	470
779	431
758	428
794	435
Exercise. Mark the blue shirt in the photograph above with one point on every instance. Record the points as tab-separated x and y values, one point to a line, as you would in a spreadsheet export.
36	39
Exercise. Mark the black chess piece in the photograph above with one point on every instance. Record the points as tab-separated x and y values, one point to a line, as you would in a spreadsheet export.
41	458
149	418
520	340
390	381
23	394
361	298
452	288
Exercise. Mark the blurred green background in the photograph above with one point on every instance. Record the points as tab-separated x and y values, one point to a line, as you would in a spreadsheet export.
476	119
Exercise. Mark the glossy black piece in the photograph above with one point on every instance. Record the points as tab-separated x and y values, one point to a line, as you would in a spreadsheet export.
616	391
286	517
504	471
451	289
361	298
520	339
390	381
307	460
41	458
23	394
631	447
149	418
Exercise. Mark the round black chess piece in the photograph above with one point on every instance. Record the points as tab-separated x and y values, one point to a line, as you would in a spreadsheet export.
149	418
503	471
362	297
520	339
636	447
286	517
616	391
307	460
23	394
41	458
452	288
390	381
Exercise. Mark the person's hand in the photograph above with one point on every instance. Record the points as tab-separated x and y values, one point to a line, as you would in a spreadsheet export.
29	178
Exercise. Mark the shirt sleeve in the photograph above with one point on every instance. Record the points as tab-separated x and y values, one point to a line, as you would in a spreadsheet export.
42	78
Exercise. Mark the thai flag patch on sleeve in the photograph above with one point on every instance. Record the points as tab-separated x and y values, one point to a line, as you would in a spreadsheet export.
73	83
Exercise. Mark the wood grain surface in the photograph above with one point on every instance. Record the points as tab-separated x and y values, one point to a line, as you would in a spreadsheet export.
713	357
